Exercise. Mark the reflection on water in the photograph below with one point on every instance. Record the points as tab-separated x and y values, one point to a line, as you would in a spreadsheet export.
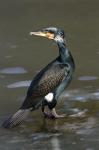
55	143
81	95
87	78
80	19
52	134
19	84
15	70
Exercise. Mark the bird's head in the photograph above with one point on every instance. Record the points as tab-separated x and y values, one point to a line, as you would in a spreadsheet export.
51	33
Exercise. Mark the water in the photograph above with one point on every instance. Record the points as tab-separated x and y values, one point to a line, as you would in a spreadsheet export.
21	57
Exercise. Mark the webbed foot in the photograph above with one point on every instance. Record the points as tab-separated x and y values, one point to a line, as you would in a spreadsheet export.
53	115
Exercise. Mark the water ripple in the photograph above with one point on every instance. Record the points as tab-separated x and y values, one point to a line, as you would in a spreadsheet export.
19	84
81	95
87	78
13	70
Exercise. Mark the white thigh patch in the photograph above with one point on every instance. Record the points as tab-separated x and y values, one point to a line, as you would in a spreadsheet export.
49	97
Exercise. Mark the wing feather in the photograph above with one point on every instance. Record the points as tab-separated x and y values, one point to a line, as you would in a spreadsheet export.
48	81
45	81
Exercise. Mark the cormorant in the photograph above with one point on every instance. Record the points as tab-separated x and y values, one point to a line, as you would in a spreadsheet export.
49	83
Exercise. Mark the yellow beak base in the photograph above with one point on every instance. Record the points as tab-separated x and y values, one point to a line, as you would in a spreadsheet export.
47	34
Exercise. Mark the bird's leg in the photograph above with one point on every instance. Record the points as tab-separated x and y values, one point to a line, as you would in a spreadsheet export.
45	113
51	102
55	115
51	114
47	101
44	103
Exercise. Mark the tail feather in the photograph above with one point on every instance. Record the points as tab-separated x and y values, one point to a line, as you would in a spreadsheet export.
16	119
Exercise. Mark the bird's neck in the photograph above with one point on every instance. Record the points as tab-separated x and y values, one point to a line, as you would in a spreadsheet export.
64	53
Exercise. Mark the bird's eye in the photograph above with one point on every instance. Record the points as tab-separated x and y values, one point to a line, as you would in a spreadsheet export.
50	31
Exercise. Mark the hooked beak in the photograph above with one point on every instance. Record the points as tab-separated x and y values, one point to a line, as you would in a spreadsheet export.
44	34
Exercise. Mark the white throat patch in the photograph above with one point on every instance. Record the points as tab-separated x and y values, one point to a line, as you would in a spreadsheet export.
59	38
49	97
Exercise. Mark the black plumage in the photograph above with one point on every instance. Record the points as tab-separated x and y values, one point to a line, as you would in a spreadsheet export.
53	79
44	82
